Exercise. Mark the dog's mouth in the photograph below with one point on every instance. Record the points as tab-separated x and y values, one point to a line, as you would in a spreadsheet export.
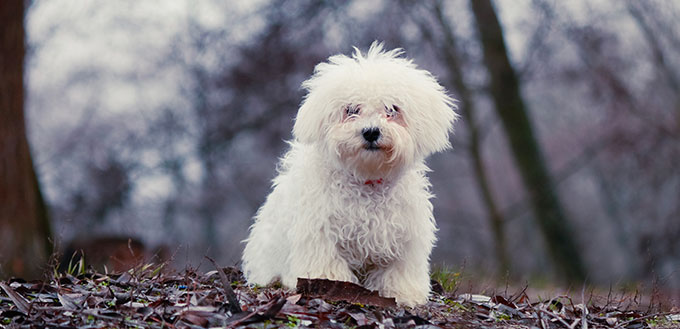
372	146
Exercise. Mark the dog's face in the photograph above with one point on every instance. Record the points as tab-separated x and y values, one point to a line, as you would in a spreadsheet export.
371	138
374	115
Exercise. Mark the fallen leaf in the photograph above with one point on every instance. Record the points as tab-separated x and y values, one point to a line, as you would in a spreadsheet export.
342	291
20	302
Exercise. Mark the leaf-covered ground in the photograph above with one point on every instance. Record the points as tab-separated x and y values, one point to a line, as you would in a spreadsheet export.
149	298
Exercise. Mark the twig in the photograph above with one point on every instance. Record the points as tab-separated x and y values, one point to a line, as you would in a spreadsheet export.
252	314
520	294
623	324
540	319
234	305
584	311
555	316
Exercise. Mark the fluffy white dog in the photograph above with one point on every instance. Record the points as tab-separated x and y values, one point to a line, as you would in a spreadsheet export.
351	201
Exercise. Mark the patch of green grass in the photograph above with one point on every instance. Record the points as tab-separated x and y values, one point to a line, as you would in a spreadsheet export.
157	270
276	285
662	322
447	276
73	269
455	306
500	316
293	321
256	288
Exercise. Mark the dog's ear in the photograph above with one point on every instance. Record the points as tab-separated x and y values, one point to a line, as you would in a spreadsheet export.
309	122
318	108
435	118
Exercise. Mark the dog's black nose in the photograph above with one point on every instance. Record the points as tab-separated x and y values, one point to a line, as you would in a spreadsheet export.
371	134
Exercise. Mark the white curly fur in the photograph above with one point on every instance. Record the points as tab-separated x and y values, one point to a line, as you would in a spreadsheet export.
344	208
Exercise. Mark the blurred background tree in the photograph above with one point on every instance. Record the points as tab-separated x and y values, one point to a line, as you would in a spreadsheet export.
163	121
24	227
511	109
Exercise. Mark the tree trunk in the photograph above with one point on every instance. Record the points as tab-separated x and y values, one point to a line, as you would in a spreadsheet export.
24	227
504	88
449	53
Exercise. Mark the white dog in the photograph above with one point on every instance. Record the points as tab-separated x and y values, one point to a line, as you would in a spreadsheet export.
351	201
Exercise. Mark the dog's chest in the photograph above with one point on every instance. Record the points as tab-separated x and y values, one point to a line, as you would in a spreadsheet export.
368	229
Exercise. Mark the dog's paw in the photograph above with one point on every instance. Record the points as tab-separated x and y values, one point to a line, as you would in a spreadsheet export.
410	298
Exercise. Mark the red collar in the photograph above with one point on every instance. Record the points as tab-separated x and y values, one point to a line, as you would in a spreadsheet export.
373	182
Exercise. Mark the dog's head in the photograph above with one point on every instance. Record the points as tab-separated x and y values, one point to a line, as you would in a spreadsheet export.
374	114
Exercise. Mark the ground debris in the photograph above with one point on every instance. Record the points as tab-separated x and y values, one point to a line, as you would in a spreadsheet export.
148	298
342	291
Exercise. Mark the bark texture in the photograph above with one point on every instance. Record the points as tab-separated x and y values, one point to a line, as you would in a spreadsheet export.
448	50
510	107
24	226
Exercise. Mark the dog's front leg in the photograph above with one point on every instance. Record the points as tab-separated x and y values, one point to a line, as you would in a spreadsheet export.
407	279
315	256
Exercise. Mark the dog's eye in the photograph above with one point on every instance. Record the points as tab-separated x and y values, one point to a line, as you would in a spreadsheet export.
392	110
352	110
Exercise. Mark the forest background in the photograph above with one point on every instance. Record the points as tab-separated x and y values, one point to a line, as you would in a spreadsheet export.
162	121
